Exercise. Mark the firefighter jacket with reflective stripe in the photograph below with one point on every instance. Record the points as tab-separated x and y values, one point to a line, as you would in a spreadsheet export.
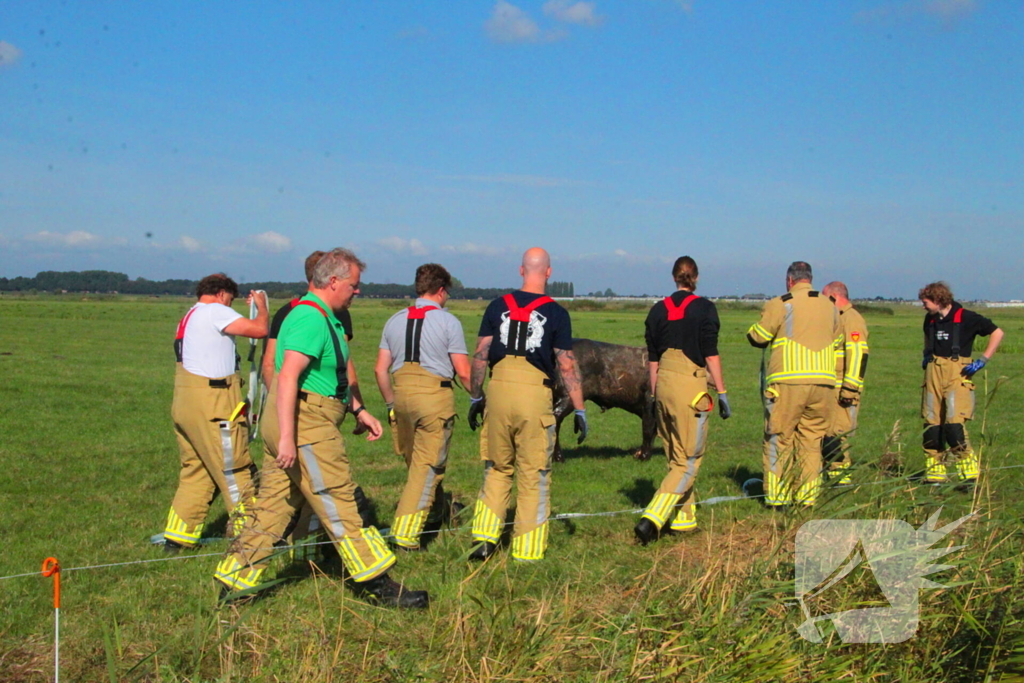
803	329
852	359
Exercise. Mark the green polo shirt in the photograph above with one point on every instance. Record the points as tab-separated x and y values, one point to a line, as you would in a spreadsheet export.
305	330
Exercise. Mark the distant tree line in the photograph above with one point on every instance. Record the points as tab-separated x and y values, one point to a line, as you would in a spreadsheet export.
107	282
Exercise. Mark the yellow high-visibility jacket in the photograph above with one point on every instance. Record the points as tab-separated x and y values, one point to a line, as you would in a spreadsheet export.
852	364
805	334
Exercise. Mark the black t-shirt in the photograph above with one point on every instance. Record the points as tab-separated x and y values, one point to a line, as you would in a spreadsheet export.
696	335
938	332
549	328
345	318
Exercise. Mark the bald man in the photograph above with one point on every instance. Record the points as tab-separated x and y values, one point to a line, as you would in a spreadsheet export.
851	364
526	340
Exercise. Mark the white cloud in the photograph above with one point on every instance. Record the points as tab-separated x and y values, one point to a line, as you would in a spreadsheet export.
946	11
190	244
510	179
509	24
584	13
401	245
271	242
473	249
950	10
76	239
9	54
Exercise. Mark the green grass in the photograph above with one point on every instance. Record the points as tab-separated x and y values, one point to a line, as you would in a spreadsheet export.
88	466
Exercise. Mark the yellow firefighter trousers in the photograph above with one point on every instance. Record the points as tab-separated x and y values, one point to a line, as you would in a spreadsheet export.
424	414
321	477
214	452
518	438
844	422
684	405
797	417
947	403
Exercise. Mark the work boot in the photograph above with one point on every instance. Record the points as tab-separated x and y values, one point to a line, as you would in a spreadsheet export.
388	592
173	548
646	531
483	551
228	595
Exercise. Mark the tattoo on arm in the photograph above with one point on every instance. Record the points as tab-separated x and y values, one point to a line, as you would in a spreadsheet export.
569	372
479	369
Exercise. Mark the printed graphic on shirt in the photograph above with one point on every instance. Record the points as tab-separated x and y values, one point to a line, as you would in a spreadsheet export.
534	330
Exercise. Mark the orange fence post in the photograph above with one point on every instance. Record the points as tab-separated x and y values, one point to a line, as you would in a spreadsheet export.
51	567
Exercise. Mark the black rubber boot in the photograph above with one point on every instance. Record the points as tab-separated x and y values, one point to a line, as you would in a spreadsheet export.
385	591
483	551
646	531
172	548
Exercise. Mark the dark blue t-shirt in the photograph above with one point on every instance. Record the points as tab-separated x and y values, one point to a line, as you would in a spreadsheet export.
549	328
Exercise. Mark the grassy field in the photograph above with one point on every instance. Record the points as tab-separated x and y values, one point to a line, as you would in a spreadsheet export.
89	463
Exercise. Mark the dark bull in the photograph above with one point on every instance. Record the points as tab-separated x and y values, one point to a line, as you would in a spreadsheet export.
614	376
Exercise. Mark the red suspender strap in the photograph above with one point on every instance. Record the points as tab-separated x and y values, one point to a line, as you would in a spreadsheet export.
678	312
958	316
179	337
293	303
182	324
523	314
414	313
414	331
519	323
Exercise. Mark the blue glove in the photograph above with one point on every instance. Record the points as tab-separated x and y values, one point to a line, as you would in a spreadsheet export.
925	361
580	426
476	412
974	366
724	409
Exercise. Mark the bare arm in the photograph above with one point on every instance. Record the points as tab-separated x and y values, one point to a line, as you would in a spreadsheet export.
652	369
479	370
715	370
269	354
255	328
382	371
287	398
460	361
570	374
993	343
353	384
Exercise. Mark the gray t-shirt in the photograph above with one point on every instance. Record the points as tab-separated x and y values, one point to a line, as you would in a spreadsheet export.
442	334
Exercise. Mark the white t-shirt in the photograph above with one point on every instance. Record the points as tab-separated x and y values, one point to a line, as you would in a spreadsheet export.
206	350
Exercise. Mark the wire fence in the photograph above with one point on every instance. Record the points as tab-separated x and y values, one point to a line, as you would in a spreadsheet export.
563	516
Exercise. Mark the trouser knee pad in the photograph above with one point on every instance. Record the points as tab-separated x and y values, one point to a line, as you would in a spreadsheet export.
933	438
831	449
956	437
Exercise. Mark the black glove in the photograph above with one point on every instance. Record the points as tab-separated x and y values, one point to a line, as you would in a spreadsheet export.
925	361
476	412
724	409
580	426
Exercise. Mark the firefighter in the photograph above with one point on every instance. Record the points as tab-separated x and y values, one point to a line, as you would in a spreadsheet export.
947	400
208	410
803	330
526	339
307	535
682	352
851	365
421	349
306	454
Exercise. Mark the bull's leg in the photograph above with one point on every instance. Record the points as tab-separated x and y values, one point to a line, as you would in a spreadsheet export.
649	425
563	407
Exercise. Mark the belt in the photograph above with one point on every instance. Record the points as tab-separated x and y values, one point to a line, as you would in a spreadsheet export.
219	383
306	396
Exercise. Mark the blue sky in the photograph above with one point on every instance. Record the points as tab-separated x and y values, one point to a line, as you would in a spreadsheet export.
880	140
